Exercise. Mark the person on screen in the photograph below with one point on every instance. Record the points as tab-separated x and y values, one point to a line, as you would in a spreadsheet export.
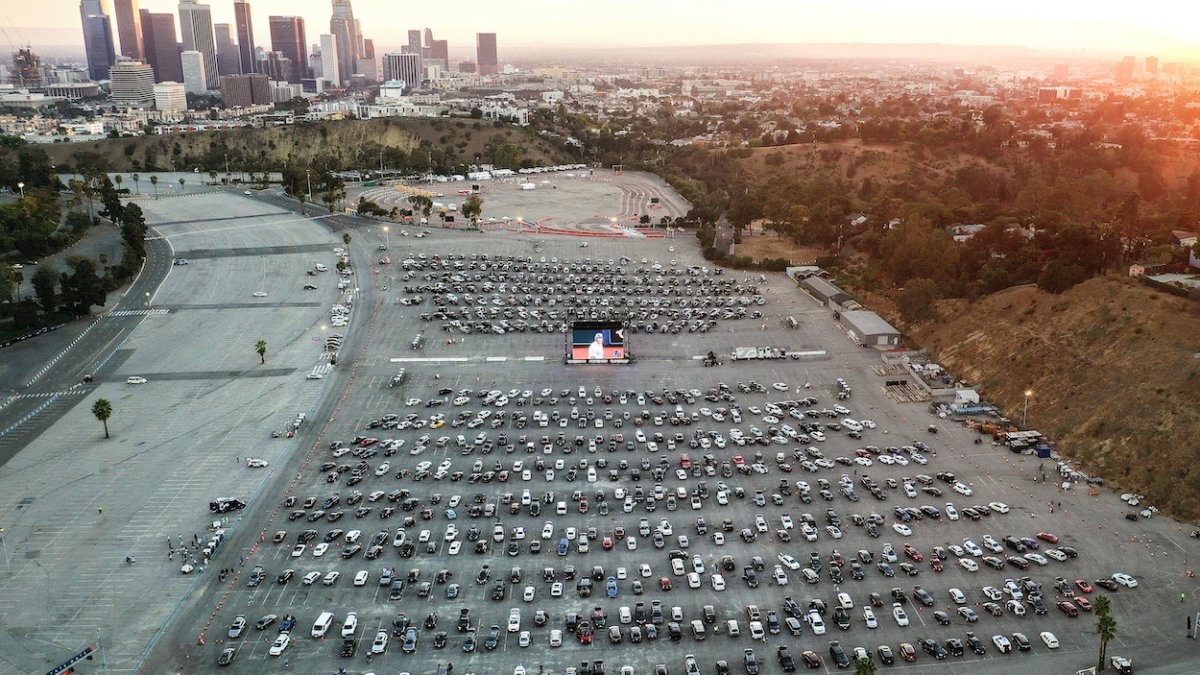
596	349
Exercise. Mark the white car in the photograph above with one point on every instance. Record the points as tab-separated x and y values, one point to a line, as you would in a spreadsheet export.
331	577
310	578
969	565
644	570
869	617
255	463
693	580
360	579
902	529
836	532
260	294
529	593
792	563
455	547
523	639
998	507
350	626
1037	559
298	550
963	489
1056	554
556	638
556	589
280	644
514	620
1002	643
1124	579
899	614
379	645
957	596
1049	639
718	582
320	549
136	380
547	531
1015	608
952	513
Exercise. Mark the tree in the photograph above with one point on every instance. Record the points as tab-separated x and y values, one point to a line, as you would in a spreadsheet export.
346	238
44	281
915	302
154	182
181	182
82	288
212	177
864	667
1106	630
261	348
421	203
1059	276
119	179
103	410
137	186
471	208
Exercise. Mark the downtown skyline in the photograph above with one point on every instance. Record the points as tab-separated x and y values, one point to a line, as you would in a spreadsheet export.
1094	29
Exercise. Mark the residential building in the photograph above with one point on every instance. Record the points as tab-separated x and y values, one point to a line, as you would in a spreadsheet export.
170	97
195	22
195	78
243	91
287	38
161	46
343	26
245	35
229	58
129	28
330	70
97	38
404	68
486	58
132	83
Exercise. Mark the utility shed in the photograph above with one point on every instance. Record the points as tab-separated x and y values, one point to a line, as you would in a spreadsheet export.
825	292
868	328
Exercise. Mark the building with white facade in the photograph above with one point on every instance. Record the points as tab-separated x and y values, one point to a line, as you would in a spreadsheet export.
195	78
170	97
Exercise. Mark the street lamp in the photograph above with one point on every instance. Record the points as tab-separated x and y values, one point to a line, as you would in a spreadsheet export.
21	187
386	241
309	177
4	545
1025	415
147	299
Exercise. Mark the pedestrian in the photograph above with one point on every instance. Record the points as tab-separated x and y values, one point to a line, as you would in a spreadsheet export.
238	460
100	509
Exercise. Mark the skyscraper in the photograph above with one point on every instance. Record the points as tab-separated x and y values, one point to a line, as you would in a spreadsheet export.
195	22
439	53
486	59
404	68
161	47
287	38
97	38
195	79
129	28
245	35
1151	65
428	44
132	84
367	65
329	60
229	58
343	26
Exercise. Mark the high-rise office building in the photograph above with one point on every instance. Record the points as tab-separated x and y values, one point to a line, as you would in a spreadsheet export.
287	38
97	38
1124	69
1151	65
427	44
195	79
330	72
161	47
229	58
367	65
414	42
486	59
439	53
240	91
245	35
1060	73
345	28
276	66
27	71
404	68
170	97
129	28
195	22
132	83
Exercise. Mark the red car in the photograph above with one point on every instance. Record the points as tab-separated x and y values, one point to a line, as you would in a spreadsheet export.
685	461
912	552
1083	585
738	460
1083	604
936	565
664	583
607	544
583	505
907	652
1046	536
620	532
584	631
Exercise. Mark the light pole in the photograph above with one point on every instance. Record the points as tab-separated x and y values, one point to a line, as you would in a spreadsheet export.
1025	415
147	299
4	545
386	241
309	177
21	187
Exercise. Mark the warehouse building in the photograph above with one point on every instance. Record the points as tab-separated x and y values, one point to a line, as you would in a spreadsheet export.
825	292
869	329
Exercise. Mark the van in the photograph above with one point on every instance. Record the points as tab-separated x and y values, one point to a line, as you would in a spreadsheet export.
322	624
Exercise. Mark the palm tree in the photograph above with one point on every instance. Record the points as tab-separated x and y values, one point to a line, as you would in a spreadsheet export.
137	186
118	179
181	182
1106	626
346	238
261	348
154	182
103	410
864	667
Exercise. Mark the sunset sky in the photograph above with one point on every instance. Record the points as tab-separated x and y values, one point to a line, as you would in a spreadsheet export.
1169	29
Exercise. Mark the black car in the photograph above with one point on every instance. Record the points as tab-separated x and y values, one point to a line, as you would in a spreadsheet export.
266	621
750	662
811	660
954	646
785	659
493	638
975	644
932	648
349	647
227	656
886	657
839	655
1106	584
469	643
942	618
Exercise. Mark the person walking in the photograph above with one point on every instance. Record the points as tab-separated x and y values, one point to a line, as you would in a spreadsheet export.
100	509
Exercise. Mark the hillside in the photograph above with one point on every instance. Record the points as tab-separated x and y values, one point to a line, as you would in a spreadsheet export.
1113	369
854	159
352	142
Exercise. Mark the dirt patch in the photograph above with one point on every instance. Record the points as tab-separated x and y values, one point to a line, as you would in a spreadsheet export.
770	245
1113	369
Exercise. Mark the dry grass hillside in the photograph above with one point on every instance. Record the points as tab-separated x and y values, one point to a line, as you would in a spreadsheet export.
855	159
463	139
1114	370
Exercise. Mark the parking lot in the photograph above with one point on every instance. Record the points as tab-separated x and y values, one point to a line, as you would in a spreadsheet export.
498	461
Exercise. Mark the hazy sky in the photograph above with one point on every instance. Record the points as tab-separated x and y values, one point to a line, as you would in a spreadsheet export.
1168	28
